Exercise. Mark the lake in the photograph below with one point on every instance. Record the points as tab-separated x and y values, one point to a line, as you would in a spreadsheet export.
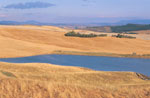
93	62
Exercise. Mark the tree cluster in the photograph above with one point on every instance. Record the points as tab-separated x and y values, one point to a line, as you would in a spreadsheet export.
75	34
129	27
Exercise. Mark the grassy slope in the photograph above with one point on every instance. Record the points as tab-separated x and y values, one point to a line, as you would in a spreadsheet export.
52	81
18	41
49	81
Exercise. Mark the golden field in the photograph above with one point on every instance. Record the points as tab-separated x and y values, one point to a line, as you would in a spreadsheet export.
36	80
53	81
18	41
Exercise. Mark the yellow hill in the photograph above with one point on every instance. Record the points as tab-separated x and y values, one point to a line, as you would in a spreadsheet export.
53	81
19	41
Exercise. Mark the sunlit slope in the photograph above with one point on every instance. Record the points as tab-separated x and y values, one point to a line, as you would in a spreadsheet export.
33	40
52	81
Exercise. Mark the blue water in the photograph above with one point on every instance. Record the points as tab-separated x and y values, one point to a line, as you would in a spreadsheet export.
92	62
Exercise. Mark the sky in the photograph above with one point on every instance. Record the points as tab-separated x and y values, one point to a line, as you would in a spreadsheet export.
74	11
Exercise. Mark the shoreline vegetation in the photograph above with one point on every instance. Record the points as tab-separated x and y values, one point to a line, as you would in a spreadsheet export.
133	55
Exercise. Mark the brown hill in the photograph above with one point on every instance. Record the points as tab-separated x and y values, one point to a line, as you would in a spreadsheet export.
19	41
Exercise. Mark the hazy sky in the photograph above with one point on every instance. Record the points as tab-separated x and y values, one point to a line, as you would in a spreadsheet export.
73	10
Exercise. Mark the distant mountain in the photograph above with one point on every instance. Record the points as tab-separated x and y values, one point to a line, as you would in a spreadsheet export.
138	21
31	22
124	22
9	23
76	25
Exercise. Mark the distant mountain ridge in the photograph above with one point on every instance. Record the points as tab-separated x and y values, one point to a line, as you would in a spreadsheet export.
31	22
119	28
141	21
122	22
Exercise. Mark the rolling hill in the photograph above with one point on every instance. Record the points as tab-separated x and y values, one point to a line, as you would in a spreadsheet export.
37	80
18	41
53	81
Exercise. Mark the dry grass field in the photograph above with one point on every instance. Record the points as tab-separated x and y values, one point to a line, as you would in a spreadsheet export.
18	41
53	81
142	31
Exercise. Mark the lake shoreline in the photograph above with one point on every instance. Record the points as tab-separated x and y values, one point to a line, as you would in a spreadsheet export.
144	56
59	52
99	63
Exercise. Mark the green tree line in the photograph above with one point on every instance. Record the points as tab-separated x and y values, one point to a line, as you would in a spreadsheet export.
130	27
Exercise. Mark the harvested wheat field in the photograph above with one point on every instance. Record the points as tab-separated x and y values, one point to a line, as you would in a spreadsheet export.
53	81
18	41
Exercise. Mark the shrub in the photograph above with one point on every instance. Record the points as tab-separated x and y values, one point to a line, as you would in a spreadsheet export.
8	74
114	35
131	33
123	36
72	33
102	35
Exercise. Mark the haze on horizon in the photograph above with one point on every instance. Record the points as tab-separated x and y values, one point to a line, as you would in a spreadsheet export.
74	11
